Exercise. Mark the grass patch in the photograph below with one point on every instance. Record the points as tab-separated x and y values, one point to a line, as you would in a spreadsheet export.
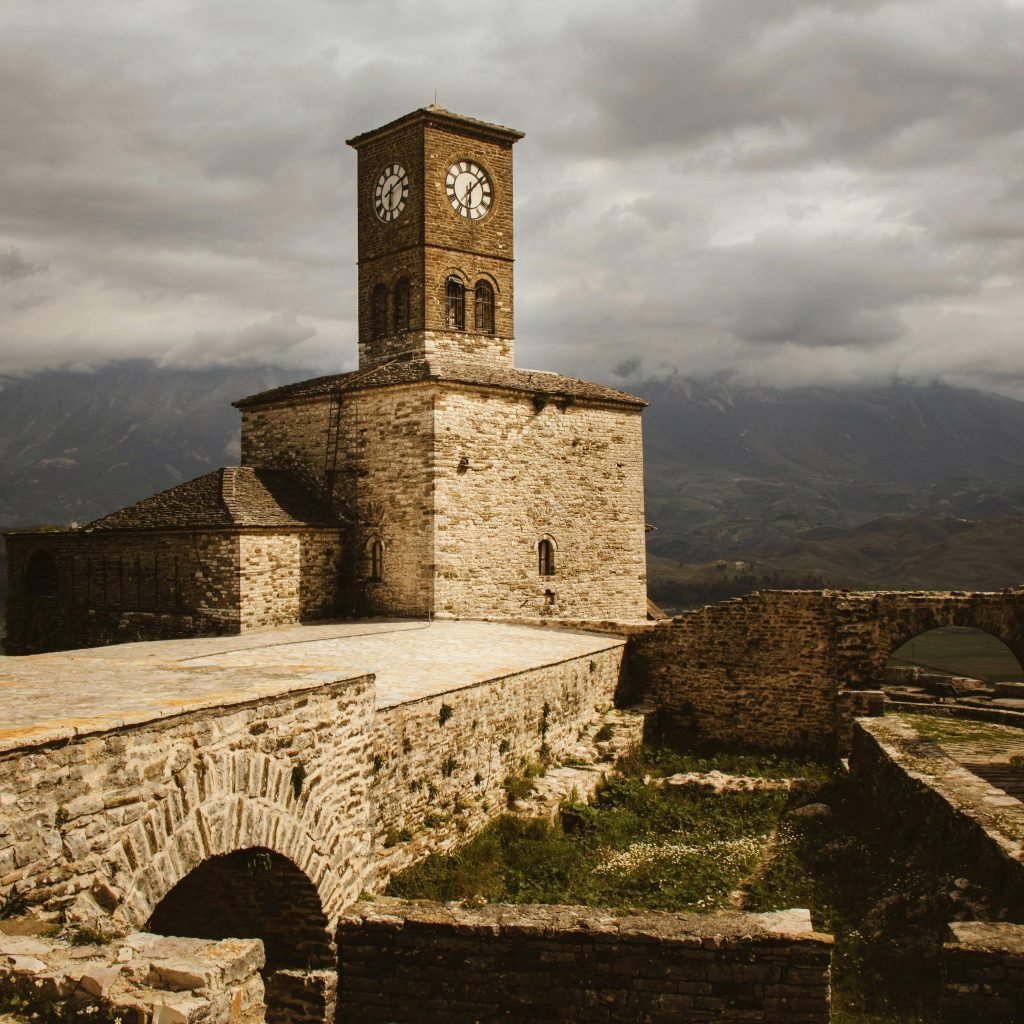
941	728
636	846
665	760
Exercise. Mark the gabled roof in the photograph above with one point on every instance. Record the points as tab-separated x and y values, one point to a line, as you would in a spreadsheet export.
408	371
237	496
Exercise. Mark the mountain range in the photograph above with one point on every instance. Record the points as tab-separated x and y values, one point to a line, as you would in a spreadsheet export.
896	485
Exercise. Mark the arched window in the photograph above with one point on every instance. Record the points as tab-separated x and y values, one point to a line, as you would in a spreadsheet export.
402	305
41	575
546	557
376	560
483	308
455	304
379	310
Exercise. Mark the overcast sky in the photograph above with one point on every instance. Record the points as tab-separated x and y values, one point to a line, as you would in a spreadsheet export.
789	190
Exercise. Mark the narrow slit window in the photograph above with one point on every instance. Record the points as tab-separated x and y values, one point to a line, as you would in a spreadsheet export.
546	558
402	305
483	308
376	561
379	310
455	304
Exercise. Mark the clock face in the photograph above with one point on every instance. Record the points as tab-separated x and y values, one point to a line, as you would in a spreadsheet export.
391	192
469	189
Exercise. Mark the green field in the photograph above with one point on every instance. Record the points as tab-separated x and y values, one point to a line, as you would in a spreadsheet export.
961	651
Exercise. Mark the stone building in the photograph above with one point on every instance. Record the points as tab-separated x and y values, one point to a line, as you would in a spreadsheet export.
437	478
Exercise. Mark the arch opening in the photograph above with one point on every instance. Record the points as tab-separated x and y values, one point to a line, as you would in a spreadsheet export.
253	893
41	575
954	662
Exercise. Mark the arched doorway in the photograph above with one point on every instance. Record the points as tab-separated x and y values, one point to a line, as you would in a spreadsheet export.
257	893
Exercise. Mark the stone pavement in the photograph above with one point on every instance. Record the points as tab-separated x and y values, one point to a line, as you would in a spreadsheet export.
989	758
47	697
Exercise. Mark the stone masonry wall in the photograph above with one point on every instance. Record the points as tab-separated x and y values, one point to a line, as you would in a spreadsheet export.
402	962
442	761
569	471
114	587
909	778
289	577
983	973
382	484
106	826
753	672
792	669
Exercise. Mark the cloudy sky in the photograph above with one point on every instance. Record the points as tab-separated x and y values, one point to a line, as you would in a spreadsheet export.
790	190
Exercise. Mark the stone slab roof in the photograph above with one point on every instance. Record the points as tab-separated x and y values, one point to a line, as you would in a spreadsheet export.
410	371
438	114
233	496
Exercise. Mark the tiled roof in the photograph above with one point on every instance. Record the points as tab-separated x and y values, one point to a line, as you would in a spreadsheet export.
233	496
408	371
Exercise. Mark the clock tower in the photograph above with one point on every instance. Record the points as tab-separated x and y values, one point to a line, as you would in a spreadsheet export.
435	239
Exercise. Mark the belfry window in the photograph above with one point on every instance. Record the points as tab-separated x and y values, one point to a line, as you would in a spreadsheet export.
402	305
376	561
546	558
41	575
379	311
483	308
455	304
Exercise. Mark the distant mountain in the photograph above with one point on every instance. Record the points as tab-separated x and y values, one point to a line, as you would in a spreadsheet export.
881	486
75	446
732	471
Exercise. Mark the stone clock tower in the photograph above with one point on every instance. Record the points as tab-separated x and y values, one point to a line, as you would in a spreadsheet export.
435	239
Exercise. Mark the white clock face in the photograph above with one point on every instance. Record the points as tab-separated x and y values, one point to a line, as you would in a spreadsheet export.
391	192
469	189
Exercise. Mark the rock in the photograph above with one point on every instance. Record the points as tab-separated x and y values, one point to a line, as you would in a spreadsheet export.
810	813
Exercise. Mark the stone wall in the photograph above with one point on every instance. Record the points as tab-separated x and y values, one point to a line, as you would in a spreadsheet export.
909	778
289	577
510	472
753	672
792	669
448	963
442	761
983	973
106	826
114	588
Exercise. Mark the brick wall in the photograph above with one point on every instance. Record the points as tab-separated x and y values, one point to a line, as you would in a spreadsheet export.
448	963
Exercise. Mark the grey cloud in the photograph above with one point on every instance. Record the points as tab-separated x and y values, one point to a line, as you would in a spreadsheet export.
13	267
269	341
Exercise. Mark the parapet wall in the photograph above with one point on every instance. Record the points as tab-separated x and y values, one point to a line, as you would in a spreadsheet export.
409	962
443	760
983	973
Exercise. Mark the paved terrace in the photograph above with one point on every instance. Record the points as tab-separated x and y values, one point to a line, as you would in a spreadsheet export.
47	697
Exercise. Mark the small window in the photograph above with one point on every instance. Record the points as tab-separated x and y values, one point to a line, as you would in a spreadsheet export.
379	311
376	561
41	575
483	308
546	558
402	305
455	304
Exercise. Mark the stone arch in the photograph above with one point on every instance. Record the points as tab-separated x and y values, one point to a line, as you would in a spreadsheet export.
242	801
